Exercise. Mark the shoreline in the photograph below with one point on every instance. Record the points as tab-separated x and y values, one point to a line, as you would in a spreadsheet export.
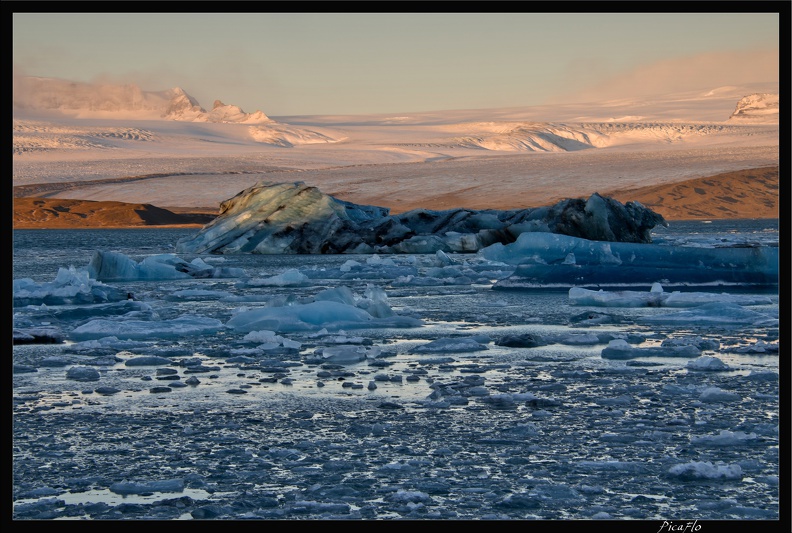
748	194
199	226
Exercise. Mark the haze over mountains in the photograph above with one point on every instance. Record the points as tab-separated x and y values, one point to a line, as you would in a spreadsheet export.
121	143
84	100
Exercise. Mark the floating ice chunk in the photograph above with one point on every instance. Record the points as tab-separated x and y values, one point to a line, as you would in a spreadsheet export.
442	258
269	340
575	339
262	336
409	496
378	261
342	294
197	294
70	287
698	342
762	375
600	298
704	470
128	487
725	438
348	354
148	360
313	316
693	299
376	302
82	373
182	326
542	260
289	278
115	266
707	363
349	265
714	314
429	281
759	347
290	344
715	394
106	343
38	335
613	465
621	349
466	344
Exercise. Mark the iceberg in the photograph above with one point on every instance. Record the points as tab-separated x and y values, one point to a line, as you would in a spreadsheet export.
131	487
115	266
621	349
331	309
294	218
290	278
70	287
656	297
313	317
705	470
147	329
725	438
38	335
707	363
714	314
347	354
451	345
547	260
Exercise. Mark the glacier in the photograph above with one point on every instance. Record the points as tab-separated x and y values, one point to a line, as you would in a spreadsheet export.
294	218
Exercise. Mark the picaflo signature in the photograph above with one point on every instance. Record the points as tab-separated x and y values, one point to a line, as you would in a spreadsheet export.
679	527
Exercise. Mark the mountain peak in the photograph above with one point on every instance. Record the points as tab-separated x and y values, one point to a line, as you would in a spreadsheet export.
756	108
89	100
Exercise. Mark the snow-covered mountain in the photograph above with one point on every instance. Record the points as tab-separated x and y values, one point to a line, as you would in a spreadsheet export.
760	108
86	100
66	133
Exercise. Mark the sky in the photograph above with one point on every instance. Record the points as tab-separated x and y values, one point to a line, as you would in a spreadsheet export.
287	64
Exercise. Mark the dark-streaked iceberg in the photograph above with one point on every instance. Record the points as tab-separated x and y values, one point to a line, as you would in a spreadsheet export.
294	218
546	260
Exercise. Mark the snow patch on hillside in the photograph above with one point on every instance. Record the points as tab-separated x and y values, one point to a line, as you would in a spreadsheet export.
287	136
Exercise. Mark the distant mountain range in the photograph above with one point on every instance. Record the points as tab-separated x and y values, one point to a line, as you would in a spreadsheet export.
85	100
91	100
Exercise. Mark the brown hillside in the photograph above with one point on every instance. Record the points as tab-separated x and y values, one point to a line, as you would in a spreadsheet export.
751	193
56	213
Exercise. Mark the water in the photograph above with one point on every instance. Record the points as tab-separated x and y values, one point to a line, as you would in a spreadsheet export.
552	432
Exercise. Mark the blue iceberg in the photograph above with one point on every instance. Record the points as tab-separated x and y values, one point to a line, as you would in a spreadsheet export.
548	260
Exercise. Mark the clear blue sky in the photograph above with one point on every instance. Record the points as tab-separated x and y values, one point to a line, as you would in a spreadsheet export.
356	63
